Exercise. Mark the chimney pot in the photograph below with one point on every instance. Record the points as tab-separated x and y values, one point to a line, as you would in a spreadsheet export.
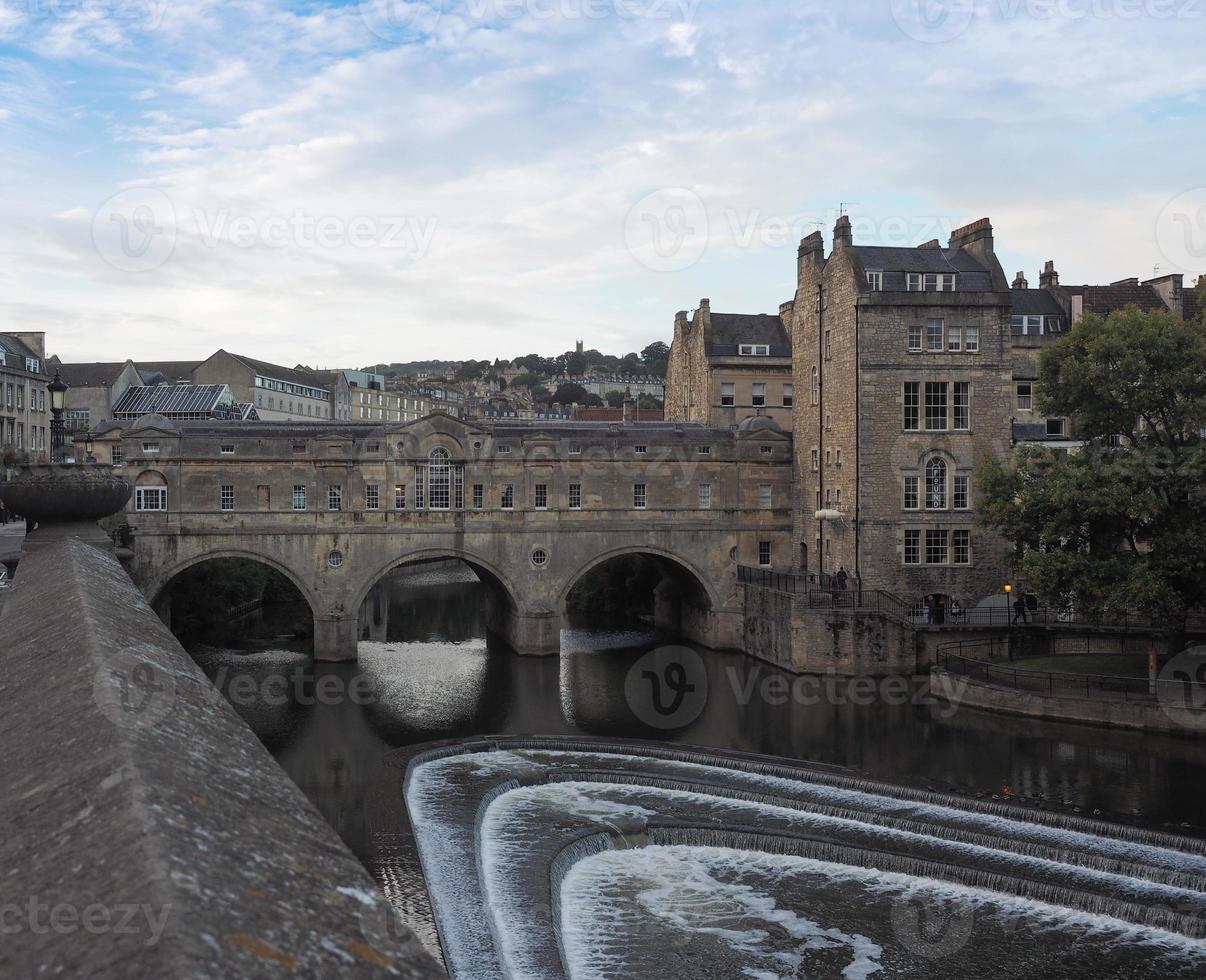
843	236
1020	281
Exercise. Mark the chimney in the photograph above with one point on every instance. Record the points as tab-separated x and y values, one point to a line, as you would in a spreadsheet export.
843	237
1170	290
1020	282
976	240
34	340
810	255
932	243
705	305
1049	278
630	404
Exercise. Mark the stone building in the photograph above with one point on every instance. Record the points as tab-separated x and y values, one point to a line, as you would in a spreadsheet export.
726	367
24	402
278	393
903	358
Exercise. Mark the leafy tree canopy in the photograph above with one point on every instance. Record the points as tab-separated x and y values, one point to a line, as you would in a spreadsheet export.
1119	525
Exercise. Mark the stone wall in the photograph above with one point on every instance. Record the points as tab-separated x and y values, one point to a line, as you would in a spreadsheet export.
144	822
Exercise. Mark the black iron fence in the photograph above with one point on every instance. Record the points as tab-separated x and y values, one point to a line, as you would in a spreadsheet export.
825	594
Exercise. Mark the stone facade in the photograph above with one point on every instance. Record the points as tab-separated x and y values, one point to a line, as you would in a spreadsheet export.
727	367
335	507
24	400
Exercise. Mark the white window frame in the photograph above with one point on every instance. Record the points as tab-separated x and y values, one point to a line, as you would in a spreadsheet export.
575	496
875	279
705	496
728	394
226	497
753	350
640	496
141	503
299	496
971	340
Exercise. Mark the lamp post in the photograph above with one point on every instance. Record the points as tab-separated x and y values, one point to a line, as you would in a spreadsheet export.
58	398
1008	591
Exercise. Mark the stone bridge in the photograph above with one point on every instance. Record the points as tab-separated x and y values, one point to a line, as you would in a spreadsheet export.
531	507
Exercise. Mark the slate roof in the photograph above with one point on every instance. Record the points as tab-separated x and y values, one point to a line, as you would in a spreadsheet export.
94	374
731	329
171	372
168	400
15	346
1035	302
894	262
281	373
1103	300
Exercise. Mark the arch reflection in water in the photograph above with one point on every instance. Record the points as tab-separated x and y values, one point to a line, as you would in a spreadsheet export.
677	863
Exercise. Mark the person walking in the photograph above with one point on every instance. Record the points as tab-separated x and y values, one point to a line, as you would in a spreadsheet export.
842	577
1019	609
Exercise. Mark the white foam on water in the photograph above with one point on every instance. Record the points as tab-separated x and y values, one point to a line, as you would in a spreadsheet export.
436	686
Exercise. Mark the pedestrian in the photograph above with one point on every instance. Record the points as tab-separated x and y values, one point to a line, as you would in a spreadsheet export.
1019	609
842	577
929	610
3	514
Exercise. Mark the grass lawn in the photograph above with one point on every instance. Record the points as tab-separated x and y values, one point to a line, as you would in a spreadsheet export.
1128	665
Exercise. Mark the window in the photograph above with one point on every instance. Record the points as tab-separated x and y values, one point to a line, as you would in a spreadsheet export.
542	496
705	496
508	497
816	460
1025	396
912	405
759	395
910	492
372	497
764	553
226	497
962	405
458	487
962	492
766	450
935	484
838	457
828	345
933	335
788	396
759	350
915	337
150	498
961	547
954	339
575	496
935	547
575	449
728	393
765	497
828	457
399	496
1027	324
504	450
875	280
971	339
704	450
335	559
479	496
640	450
912	547
227	450
540	557
299	497
816	387
935	406
1055	427
913	282
150	448
438	479
638	496
335	497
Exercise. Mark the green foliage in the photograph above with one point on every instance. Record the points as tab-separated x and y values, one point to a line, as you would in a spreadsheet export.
615	399
527	380
575	365
568	393
1120	527
656	357
648	402
593	401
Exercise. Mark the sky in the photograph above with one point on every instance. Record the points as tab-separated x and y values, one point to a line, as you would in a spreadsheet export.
339	184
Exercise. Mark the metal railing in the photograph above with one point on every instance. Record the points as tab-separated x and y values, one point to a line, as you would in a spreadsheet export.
823	595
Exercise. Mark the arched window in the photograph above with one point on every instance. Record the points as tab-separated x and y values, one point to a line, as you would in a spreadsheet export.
150	491
438	479
935	484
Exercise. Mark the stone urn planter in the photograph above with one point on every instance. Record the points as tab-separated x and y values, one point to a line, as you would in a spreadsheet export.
65	494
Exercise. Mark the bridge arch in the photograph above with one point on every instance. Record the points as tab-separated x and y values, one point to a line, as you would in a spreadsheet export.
700	577
484	568
156	589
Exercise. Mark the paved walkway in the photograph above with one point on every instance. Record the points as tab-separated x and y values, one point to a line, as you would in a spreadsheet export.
12	536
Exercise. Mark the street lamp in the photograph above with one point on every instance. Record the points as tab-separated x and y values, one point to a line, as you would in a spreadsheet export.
1008	590
58	398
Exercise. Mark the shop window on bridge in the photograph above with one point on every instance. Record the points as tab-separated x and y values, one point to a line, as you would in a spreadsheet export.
335	497
399	496
479	496
575	496
508	497
372	497
299	497
420	486
439	480
150	498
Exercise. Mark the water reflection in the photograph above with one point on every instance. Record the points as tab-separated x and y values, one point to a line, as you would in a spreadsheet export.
431	674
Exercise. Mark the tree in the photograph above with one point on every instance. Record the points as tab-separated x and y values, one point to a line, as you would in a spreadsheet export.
593	401
526	380
568	393
575	365
615	399
630	364
648	402
656	358
1119	525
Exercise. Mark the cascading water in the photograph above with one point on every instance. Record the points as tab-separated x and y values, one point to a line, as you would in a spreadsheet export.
581	859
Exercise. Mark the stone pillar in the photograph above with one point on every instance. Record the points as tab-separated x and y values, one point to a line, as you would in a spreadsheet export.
334	636
531	633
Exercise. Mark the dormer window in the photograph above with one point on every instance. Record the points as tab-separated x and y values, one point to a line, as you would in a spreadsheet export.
930	282
149	448
875	280
754	350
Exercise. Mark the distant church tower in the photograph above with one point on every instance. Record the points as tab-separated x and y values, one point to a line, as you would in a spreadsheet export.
578	347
